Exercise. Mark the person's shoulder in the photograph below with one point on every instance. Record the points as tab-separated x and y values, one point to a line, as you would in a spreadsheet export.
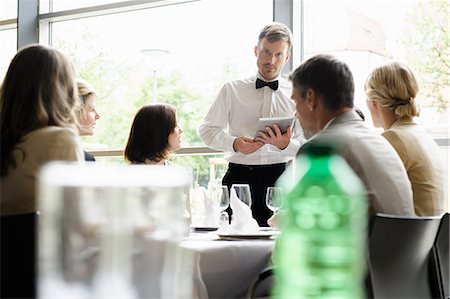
50	133
393	134
62	133
354	134
249	80
53	143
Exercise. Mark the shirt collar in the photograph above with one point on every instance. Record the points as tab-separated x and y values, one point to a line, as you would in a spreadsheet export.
403	121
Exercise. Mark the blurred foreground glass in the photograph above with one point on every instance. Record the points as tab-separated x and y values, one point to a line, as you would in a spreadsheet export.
113	231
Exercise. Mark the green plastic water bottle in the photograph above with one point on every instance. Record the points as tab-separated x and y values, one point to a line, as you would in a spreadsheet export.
321	250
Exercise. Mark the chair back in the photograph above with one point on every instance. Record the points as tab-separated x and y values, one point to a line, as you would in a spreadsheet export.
399	256
18	256
441	255
262	285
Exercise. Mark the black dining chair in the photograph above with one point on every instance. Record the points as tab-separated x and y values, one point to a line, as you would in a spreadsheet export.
441	256
18	256
399	260
262	284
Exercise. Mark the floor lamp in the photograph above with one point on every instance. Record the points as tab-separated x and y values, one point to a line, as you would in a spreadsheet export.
155	59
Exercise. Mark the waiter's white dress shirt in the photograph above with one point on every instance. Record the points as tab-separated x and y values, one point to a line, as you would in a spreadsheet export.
235	113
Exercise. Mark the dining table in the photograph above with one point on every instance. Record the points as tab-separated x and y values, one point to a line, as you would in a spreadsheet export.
202	265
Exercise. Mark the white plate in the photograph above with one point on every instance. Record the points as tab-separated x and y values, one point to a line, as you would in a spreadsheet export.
260	235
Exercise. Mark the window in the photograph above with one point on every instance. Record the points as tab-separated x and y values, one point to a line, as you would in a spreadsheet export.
204	43
366	34
208	43
211	41
8	40
8	9
8	34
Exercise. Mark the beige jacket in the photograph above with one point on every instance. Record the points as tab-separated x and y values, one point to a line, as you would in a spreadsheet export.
18	187
424	164
374	161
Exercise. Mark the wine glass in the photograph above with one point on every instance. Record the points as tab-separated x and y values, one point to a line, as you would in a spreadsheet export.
243	193
221	197
274	198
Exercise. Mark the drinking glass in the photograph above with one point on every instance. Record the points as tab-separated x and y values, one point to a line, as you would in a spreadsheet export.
243	193
221	197
274	198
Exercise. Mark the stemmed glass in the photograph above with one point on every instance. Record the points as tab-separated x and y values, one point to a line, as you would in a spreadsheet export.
274	198
243	193
221	197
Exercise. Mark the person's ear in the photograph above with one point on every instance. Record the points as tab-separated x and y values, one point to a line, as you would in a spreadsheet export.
374	105
311	99
287	57
256	50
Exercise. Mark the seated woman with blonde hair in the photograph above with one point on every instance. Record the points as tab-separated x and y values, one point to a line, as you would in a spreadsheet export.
154	135
391	97
86	113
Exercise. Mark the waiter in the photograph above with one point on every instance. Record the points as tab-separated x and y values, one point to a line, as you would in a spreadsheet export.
231	123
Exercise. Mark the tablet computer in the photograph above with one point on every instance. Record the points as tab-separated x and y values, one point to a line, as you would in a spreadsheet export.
282	122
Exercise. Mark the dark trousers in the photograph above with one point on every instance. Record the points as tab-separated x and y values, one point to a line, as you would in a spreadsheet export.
259	177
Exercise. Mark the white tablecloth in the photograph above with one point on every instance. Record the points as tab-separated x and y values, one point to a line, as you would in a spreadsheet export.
227	268
217	268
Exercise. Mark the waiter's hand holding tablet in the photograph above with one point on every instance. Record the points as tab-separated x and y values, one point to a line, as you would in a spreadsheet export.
273	130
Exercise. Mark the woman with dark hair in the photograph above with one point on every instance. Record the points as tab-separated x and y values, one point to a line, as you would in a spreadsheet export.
37	123
154	135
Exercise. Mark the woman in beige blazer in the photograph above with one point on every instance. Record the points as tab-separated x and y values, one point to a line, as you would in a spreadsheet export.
391	97
37	101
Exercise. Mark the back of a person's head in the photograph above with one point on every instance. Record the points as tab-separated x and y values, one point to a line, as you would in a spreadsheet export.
329	77
38	91
149	133
394	86
274	32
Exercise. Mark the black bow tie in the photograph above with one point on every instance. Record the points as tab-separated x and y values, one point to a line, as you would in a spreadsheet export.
260	84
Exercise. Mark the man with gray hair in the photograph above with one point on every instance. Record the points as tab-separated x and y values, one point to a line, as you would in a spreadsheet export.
232	121
323	91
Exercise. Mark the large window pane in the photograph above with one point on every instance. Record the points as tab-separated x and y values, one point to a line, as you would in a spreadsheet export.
208	43
8	42
366	34
8	9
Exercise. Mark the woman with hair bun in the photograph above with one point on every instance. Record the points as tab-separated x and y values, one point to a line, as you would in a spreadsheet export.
391	97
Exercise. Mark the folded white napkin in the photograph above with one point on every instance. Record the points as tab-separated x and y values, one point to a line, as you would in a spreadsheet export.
242	221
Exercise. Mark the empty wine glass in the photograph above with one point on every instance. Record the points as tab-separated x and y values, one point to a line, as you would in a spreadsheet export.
243	193
274	198
221	197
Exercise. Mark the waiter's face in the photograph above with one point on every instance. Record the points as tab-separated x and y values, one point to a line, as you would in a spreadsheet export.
271	57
